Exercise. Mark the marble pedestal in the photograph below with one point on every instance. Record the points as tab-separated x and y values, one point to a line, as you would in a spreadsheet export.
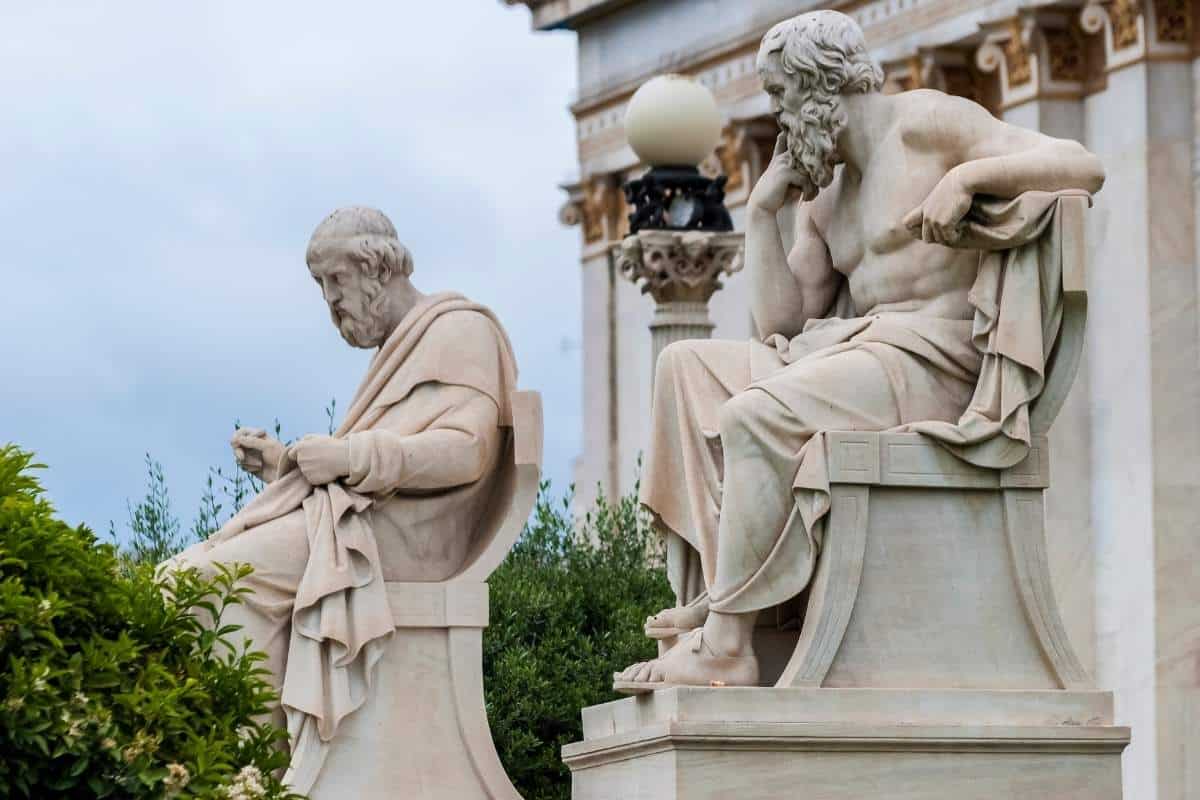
849	744
425	733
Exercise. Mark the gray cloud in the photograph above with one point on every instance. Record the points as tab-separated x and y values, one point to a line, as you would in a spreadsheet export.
164	165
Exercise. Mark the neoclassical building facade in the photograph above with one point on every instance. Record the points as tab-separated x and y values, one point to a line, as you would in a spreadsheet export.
1123	77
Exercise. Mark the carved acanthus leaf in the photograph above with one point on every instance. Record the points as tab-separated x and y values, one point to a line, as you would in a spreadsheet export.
676	266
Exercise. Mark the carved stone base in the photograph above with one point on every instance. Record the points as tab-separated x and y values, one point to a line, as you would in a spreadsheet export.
425	734
849	744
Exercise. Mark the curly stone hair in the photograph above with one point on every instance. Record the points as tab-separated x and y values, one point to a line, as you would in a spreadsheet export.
367	235
824	55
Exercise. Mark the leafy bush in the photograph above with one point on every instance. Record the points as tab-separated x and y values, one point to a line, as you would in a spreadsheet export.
567	608
108	687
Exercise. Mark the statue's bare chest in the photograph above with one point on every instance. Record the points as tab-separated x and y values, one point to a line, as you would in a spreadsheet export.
861	214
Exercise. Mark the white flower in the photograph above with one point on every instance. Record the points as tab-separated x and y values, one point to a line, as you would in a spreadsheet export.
247	785
177	778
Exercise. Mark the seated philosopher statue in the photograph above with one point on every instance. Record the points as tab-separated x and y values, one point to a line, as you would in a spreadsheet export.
395	494
911	299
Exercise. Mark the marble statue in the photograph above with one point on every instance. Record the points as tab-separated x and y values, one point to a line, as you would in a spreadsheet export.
396	494
913	298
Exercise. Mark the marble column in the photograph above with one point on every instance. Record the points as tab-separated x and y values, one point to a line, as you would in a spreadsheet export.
596	204
1145	387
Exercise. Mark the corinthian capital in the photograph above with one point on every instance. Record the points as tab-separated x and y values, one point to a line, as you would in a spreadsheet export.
679	266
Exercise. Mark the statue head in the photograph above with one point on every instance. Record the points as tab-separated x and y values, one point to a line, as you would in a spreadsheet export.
363	271
807	64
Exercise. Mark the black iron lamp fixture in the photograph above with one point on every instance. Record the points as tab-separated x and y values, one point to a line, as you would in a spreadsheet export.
672	123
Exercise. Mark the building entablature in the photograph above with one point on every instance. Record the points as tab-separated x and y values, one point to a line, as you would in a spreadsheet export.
546	15
1001	55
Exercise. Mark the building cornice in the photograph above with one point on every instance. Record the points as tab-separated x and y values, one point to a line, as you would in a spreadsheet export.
547	15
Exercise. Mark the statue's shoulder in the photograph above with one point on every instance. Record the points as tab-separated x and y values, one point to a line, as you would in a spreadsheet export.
471	322
468	332
929	119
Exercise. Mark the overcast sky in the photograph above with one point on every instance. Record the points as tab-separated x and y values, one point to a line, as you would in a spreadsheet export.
163	167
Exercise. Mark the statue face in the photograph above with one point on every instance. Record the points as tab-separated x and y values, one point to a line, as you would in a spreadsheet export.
813	120
785	95
354	300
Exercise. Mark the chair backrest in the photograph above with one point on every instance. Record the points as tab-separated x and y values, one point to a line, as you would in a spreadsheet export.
515	492
1063	363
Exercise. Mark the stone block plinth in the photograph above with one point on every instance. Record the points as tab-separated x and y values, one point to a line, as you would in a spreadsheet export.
849	744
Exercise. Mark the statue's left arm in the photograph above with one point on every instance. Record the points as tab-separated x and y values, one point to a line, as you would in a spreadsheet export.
459	431
995	158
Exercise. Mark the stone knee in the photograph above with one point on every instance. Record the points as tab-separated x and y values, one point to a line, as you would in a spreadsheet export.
670	364
746	418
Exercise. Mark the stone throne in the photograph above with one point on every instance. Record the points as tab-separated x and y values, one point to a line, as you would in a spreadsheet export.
424	733
951	677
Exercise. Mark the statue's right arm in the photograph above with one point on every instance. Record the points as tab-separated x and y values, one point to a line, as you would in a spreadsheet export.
786	288
451	449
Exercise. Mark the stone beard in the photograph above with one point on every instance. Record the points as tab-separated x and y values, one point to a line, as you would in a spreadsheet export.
363	323
812	137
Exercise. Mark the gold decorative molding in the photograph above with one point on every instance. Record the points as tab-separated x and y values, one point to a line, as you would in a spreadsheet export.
1126	28
734	154
1067	54
1010	51
1017	55
1173	21
597	205
947	69
1140	30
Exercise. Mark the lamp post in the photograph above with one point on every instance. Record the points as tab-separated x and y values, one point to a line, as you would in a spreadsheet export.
681	239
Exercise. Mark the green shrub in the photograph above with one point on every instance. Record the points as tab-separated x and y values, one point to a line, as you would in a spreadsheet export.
108	687
567	608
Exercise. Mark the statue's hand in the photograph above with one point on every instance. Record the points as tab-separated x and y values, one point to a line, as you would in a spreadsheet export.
257	453
779	182
322	459
938	220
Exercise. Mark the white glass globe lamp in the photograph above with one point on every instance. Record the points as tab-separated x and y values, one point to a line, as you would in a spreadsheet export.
672	121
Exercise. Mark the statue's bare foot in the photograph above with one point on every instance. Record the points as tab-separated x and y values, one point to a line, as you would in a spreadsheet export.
676	621
690	663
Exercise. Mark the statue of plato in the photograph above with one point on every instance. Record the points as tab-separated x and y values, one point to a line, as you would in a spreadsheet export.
395	494
903	303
